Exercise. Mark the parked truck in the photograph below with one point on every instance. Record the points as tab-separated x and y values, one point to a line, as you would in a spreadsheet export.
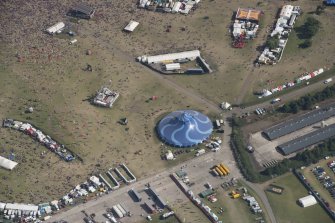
222	170
219	171
117	211
225	168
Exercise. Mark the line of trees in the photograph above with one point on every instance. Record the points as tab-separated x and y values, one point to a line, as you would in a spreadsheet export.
306	102
242	156
304	158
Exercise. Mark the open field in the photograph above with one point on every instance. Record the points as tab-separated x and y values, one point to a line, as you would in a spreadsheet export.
318	186
285	206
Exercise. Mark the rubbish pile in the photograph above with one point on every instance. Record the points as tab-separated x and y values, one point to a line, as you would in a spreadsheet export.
42	138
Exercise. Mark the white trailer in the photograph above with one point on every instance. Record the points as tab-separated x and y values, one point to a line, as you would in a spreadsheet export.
117	212
200	152
121	209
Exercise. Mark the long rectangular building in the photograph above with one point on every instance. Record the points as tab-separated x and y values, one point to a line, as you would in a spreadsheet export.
192	55
300	122
307	140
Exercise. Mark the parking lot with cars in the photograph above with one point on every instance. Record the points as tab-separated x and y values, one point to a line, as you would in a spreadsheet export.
320	178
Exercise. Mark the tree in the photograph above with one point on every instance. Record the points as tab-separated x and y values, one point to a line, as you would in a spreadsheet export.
272	42
307	43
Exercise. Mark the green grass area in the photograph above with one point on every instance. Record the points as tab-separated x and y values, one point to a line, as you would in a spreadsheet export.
285	206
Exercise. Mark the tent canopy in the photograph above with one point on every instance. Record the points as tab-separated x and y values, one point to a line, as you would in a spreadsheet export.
7	164
184	128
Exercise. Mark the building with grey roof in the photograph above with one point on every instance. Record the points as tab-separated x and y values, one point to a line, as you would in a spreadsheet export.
307	140
300	122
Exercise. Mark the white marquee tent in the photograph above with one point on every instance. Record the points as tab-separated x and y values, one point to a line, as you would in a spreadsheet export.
172	56
7	164
56	28
307	201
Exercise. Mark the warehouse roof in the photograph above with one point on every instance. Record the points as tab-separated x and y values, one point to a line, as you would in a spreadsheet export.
300	122
7	164
307	140
248	14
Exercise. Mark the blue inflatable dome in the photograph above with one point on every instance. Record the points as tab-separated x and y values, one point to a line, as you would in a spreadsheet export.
184	128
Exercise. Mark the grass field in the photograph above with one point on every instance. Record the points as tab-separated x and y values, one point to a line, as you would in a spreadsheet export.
316	184
285	206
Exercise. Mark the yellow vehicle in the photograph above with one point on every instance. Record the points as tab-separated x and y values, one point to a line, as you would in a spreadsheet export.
222	170
235	195
225	168
219	171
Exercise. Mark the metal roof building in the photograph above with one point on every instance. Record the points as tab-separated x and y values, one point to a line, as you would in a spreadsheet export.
7	164
300	122
184	128
307	140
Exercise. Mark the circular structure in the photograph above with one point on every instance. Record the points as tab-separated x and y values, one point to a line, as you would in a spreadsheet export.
184	128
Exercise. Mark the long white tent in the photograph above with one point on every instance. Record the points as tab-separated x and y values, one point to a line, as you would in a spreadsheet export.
307	201
7	164
22	207
56	28
172	56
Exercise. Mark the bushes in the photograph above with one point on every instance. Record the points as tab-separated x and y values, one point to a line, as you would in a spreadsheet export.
241	155
307	31
306	102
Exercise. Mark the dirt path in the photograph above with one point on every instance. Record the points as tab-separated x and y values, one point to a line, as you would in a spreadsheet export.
131	58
